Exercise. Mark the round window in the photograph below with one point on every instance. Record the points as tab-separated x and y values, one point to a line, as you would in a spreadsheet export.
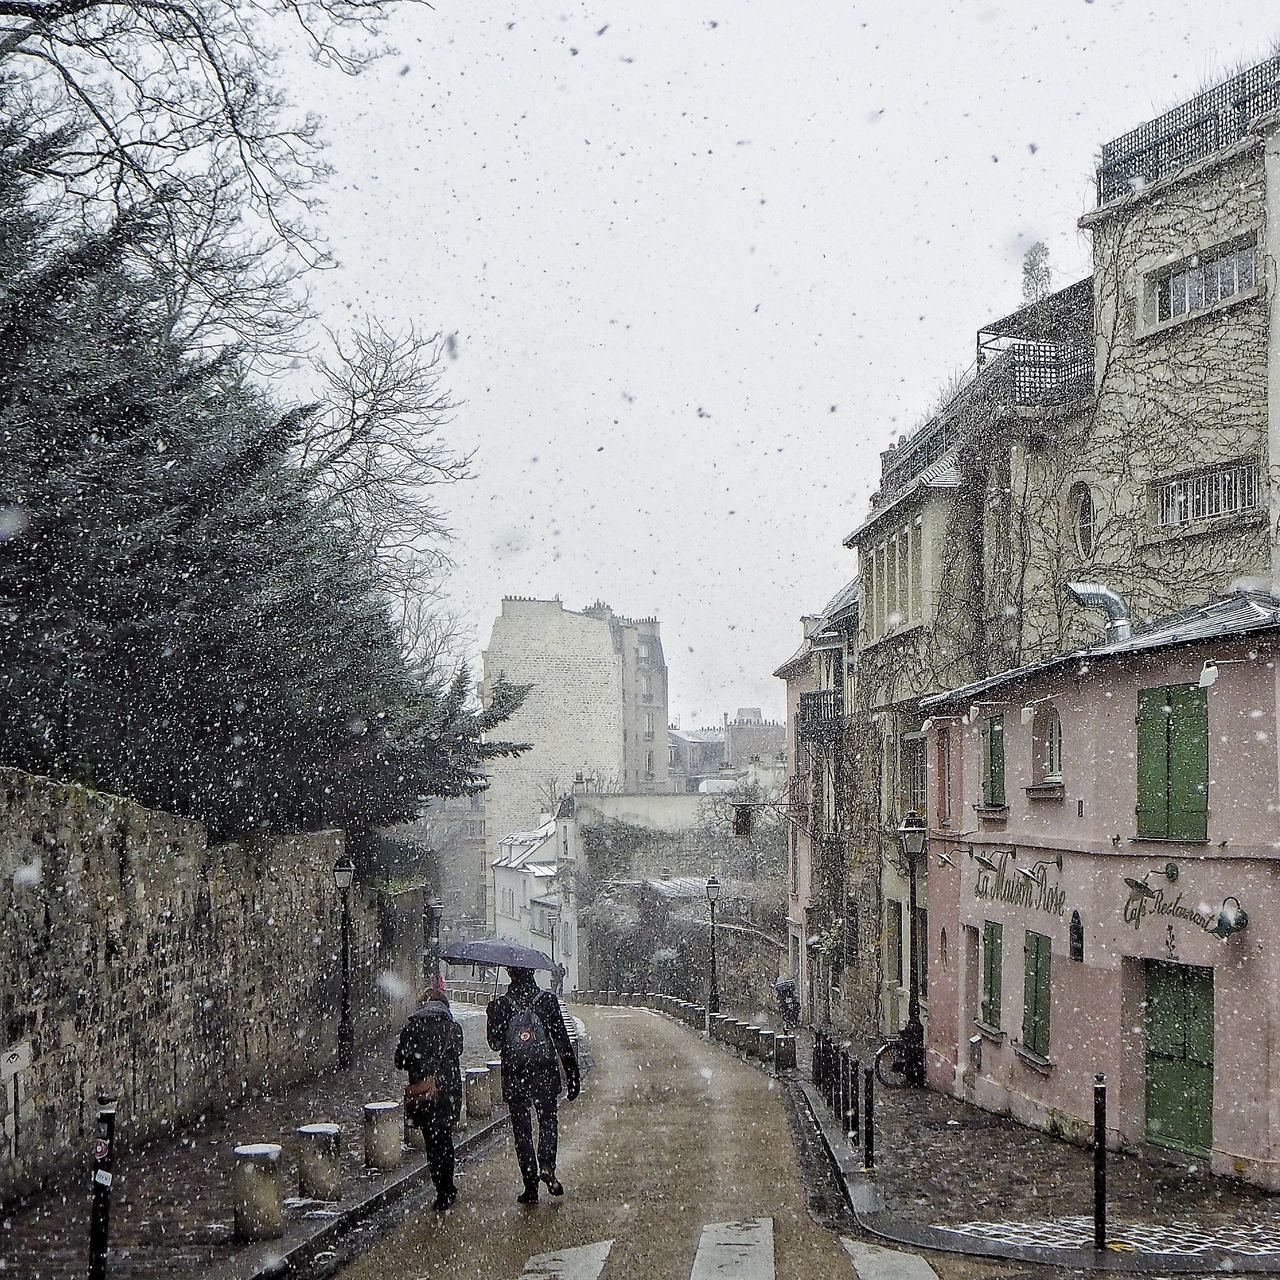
1084	520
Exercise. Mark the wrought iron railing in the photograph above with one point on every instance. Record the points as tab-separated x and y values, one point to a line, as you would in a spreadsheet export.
1045	374
820	714
1210	121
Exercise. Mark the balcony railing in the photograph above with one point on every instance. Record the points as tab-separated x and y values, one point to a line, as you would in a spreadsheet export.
1209	122
821	714
1045	374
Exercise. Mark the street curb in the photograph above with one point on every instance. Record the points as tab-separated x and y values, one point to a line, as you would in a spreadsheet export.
865	1199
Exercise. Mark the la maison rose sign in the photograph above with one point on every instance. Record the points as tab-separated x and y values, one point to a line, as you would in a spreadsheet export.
1006	884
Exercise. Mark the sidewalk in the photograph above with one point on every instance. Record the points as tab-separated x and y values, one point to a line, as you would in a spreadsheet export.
171	1209
954	1177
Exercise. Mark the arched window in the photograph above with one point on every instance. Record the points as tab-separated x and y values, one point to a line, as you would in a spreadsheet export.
1046	744
1076	942
1083	520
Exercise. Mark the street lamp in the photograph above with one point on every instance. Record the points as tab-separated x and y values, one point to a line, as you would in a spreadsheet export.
913	834
553	923
344	872
713	995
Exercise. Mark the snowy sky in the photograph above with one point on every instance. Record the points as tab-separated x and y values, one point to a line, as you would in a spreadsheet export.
705	261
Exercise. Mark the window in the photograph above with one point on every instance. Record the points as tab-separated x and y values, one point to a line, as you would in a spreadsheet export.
1035	994
1076	944
1200	282
1084	523
648	724
944	775
648	763
644	654
893	581
893	939
993	762
992	968
1173	763
1223	491
915	775
1046	744
793	856
646	685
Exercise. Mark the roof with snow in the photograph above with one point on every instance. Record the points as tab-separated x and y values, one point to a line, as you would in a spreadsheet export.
1240	614
943	474
516	849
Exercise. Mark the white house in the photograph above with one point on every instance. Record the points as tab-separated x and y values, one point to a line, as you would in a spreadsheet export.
533	901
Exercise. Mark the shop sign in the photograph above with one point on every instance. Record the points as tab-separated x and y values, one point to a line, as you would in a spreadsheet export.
1158	904
1005	884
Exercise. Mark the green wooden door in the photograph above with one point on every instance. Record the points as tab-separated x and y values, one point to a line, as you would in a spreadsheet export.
1179	1031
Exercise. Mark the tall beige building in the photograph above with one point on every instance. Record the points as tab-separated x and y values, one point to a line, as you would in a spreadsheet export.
597	708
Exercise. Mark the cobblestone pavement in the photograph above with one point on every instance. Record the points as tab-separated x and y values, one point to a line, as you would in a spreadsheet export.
171	1209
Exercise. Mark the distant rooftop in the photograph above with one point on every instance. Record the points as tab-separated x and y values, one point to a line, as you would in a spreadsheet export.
1207	123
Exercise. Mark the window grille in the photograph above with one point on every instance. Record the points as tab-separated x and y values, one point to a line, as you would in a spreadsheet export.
1224	491
1199	283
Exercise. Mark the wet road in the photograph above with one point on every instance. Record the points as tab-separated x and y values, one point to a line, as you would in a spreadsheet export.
677	1159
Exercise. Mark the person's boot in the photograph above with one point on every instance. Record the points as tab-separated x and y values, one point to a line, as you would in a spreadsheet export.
530	1193
553	1184
445	1199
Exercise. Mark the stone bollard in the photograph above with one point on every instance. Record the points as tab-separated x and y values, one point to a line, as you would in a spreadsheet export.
383	1134
258	1191
765	1049
784	1053
751	1045
320	1161
495	1084
479	1099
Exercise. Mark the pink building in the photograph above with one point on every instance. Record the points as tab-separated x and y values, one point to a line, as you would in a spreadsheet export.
1104	844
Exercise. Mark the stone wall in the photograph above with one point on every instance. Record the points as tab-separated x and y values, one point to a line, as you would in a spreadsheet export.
137	957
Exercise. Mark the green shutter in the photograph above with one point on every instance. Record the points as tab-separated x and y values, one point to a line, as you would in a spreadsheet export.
992	958
993	761
1037	958
1153	763
1189	763
997	760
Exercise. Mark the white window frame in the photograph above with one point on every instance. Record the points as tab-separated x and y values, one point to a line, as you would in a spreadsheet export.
1231	489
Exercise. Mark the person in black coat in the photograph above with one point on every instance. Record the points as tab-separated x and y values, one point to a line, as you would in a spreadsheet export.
526	1027
430	1050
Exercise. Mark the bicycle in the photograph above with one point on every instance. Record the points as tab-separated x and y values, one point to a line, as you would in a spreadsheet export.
891	1062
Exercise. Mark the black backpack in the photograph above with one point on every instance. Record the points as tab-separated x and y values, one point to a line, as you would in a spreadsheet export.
528	1046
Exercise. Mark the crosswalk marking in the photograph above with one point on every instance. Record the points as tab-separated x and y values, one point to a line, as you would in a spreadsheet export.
873	1262
741	1250
583	1263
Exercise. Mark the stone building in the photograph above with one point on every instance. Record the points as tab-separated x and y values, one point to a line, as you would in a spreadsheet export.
694	755
1120	430
597	709
751	739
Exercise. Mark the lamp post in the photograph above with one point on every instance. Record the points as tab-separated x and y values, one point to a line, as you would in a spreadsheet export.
913	834
435	918
553	923
344	872
713	994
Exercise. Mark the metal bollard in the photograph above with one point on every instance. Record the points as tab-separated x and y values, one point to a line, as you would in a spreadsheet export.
103	1160
479	1099
855	1079
1100	1161
320	1161
259	1195
833	1080
383	1133
815	1066
869	1120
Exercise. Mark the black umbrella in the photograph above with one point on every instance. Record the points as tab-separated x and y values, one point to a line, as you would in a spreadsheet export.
493	951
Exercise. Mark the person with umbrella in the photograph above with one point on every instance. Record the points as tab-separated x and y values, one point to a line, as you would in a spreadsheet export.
527	1029
430	1050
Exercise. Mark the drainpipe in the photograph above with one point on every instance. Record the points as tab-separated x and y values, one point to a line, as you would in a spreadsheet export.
1092	595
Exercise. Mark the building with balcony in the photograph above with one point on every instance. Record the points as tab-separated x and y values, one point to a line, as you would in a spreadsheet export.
1119	430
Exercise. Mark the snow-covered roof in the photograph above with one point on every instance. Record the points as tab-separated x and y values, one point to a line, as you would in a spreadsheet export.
697	735
1239	614
943	474
516	849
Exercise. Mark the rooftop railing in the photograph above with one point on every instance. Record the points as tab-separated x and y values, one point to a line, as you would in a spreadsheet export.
1207	123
